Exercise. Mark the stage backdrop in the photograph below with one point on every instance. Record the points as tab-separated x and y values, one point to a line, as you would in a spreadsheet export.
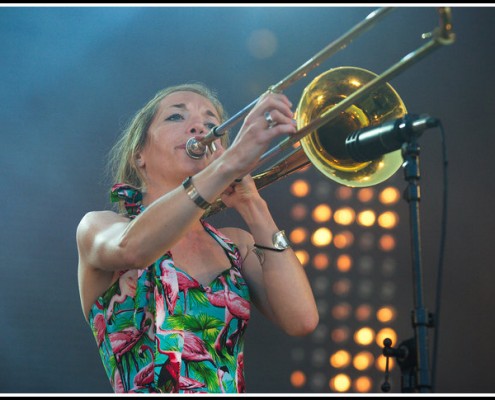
71	77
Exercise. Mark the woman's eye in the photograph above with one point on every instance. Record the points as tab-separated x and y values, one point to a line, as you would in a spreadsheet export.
175	117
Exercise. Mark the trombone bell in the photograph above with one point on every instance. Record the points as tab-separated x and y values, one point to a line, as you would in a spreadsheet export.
325	147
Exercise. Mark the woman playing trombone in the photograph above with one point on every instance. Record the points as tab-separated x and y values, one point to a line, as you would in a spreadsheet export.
166	294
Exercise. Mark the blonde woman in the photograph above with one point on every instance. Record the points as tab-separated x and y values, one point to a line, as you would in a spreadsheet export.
166	294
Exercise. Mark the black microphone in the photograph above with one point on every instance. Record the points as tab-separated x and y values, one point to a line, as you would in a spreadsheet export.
372	142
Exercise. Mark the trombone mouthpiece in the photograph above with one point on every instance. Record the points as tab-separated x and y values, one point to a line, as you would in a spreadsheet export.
195	149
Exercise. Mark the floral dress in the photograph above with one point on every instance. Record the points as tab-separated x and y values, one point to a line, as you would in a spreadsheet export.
159	330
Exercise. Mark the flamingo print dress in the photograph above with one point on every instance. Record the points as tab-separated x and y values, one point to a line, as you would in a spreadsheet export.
158	330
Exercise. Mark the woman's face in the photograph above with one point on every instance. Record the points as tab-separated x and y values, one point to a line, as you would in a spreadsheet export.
180	115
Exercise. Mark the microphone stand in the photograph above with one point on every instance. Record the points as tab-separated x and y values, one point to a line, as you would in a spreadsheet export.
412	354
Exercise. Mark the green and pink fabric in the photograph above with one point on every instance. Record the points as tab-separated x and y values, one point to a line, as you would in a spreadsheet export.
159	330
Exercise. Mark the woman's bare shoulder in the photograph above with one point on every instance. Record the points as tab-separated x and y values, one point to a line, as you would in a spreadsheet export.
237	235
98	220
94	217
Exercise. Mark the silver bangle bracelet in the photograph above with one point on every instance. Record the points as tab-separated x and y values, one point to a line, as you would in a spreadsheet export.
259	246
193	194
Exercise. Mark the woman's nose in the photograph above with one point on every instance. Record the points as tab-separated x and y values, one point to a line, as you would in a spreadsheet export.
197	128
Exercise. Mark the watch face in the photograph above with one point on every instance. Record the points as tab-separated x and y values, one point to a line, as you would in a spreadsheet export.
280	241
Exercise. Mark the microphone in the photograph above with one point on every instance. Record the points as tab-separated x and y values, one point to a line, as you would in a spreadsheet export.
372	142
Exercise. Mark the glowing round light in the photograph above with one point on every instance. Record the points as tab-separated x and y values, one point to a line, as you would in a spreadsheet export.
343	240
340	335
298	235
302	256
322	213
341	311
299	212
340	359
388	219
363	312
365	195
386	314
344	192
386	243
344	263
389	195
384	334
262	43
381	362
364	336
363	384
340	383
363	360
300	188
341	287
298	379
321	237
321	261
366	218
344	216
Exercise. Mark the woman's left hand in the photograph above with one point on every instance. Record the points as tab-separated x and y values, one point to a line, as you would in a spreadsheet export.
241	192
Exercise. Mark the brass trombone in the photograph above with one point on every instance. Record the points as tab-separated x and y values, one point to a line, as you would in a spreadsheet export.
335	104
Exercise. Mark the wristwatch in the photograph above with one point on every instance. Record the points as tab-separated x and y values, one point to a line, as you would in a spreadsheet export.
280	241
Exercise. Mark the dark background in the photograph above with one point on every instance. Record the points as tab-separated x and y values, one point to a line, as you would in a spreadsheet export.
72	76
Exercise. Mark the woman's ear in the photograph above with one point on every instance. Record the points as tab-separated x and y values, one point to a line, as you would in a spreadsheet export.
139	160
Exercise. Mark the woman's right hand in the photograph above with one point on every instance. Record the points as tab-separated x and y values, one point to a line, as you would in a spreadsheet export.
256	133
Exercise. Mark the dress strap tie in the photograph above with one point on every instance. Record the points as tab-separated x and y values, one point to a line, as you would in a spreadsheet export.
130	195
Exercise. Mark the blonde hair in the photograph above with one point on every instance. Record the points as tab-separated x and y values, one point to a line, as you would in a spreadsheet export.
122	166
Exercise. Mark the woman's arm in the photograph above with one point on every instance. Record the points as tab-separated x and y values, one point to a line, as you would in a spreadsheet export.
110	242
277	280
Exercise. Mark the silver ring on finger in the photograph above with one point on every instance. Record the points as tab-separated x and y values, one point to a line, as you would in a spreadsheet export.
269	120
